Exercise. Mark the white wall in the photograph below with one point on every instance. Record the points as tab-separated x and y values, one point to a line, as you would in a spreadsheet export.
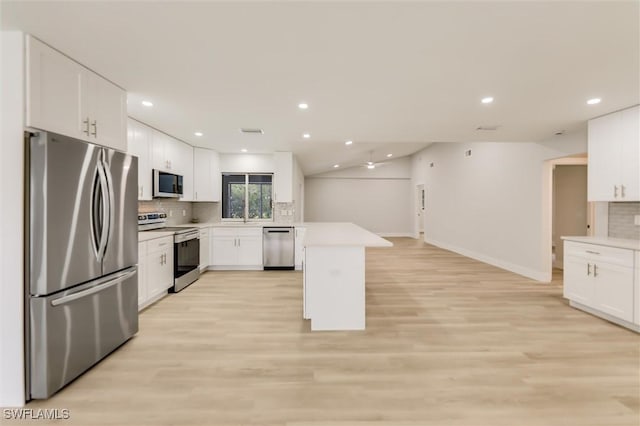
494	206
298	192
378	200
247	163
11	220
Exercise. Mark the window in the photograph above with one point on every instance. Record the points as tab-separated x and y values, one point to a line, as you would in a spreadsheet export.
247	196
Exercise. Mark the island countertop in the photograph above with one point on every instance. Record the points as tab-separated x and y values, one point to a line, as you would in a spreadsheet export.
606	241
341	234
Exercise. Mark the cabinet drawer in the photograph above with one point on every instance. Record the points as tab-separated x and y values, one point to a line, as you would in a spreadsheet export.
159	244
223	232
249	232
598	253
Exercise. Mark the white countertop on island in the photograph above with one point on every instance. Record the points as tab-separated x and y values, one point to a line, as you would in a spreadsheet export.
341	234
606	241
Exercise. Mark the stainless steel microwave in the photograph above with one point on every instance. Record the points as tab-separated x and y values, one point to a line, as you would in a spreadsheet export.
166	184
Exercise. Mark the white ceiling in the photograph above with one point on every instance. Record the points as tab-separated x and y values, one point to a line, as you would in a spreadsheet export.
391	76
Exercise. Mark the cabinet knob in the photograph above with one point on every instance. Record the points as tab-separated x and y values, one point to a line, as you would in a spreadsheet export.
595	270
95	128
588	269
622	191
615	191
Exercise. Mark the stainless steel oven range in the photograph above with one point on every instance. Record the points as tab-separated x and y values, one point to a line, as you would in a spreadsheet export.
186	248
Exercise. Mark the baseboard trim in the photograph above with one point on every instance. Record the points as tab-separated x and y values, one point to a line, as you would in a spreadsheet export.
394	234
508	266
605	316
235	268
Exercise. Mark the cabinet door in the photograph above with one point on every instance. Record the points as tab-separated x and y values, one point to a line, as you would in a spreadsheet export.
614	290
107	111
53	86
225	250
283	177
578	280
160	271
139	144
204	249
604	158
182	164
299	248
142	273
205	170
158	154
630	154
250	250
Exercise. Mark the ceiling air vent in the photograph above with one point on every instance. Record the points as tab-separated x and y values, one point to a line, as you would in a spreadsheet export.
489	128
253	131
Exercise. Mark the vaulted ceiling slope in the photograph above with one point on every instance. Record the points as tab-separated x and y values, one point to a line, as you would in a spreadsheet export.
387	75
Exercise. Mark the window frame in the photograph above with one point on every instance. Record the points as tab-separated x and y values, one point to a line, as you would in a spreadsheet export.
246	218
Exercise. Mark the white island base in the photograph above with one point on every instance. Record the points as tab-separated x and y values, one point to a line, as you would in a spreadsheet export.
334	275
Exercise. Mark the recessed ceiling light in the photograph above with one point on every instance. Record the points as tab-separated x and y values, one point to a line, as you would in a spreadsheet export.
147	103
487	100
348	142
371	166
303	105
198	133
335	166
389	155
594	101
243	150
306	135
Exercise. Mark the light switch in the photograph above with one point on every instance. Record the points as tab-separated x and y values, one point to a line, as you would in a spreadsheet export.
636	219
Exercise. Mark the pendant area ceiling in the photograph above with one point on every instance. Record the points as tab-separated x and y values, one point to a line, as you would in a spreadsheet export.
391	76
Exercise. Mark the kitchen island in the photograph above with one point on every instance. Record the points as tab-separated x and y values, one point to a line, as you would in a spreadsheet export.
334	275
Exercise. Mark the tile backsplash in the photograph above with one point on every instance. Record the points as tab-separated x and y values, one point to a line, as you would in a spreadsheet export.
284	212
207	212
178	212
621	220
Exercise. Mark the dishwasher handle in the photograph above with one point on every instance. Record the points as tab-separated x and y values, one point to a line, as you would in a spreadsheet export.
279	231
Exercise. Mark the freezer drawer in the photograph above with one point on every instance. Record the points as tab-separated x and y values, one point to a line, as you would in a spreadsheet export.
72	330
278	247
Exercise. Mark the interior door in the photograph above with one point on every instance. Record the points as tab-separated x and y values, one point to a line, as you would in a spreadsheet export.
122	244
63	174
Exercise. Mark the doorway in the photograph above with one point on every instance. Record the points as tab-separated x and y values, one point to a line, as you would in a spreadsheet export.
570	209
419	214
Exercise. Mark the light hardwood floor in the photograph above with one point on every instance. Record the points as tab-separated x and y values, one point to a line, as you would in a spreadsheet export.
449	341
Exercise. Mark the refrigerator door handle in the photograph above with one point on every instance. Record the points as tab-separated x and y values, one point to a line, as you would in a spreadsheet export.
100	285
111	202
105	203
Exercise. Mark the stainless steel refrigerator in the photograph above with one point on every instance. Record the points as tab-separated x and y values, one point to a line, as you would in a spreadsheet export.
82	255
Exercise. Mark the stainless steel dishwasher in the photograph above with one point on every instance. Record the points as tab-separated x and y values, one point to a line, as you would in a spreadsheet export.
278	247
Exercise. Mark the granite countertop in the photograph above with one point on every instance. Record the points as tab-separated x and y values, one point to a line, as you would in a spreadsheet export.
606	241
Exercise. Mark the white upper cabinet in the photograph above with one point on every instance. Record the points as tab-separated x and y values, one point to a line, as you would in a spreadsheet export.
65	97
139	144
206	170
283	177
614	156
171	155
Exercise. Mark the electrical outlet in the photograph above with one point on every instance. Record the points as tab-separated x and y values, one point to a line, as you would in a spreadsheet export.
184	212
636	219
170	213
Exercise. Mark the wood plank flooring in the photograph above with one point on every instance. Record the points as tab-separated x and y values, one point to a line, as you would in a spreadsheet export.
449	342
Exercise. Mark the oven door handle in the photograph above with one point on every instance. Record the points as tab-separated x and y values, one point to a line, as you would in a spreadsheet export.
180	238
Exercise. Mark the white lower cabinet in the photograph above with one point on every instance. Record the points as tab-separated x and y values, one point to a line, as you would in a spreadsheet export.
205	249
236	248
600	279
299	247
155	269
